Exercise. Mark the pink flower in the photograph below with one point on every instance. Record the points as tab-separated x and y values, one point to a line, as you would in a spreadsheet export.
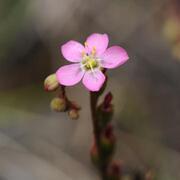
89	60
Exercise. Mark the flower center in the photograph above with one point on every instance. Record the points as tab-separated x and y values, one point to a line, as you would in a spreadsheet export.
89	62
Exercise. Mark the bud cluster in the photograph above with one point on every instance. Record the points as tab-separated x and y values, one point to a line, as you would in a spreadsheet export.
61	103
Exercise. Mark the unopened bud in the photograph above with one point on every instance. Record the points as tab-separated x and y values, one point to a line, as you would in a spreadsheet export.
105	110
73	114
108	131
58	104
105	115
108	140
107	100
107	146
51	83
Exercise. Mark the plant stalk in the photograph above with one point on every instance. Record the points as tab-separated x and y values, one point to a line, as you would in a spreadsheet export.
96	129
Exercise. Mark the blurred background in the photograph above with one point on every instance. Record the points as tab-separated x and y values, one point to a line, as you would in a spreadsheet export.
36	143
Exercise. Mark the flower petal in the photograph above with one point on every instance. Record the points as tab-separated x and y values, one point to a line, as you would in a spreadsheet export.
69	75
97	41
114	57
93	81
72	51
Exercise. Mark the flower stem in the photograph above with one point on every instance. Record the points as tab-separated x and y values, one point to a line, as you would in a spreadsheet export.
93	100
96	129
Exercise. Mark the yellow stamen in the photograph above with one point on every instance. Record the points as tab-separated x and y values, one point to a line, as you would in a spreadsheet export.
83	53
90	63
89	60
93	51
86	44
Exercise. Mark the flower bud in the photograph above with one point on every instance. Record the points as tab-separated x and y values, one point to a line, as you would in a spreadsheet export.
73	114
104	115
107	100
107	141
105	110
58	104
107	146
51	83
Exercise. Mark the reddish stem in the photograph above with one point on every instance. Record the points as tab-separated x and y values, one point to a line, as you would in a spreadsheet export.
97	130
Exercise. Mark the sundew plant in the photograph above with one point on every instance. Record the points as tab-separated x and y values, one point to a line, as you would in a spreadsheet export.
89	63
